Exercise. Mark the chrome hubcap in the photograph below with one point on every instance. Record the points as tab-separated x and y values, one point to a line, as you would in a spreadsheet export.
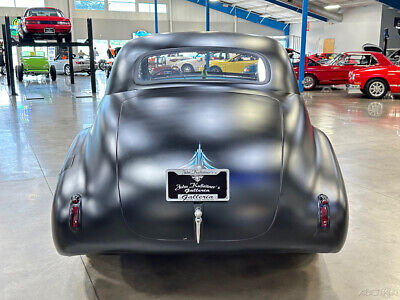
187	69
377	89
308	82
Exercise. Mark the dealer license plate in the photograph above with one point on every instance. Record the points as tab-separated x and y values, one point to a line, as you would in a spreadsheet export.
48	30
193	185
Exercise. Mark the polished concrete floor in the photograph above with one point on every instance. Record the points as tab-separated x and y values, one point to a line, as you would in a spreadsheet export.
36	129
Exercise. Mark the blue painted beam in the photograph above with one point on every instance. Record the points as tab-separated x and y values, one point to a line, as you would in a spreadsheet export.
207	15
391	3
245	15
298	10
155	17
303	44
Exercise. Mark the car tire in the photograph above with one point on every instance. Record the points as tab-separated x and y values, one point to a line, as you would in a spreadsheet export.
215	69
67	70
376	88
19	71
53	73
187	68
102	64
309	82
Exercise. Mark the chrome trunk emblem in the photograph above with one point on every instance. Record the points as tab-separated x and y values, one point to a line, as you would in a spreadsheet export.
197	219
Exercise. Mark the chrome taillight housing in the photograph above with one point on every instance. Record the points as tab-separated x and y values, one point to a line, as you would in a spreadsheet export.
323	211
75	214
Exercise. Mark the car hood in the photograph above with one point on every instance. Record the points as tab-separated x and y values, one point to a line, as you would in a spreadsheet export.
161	129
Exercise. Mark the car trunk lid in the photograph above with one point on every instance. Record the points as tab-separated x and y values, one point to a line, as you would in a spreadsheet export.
161	130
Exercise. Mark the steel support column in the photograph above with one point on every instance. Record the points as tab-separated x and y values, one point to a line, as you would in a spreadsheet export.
207	15
10	56
303	44
155	17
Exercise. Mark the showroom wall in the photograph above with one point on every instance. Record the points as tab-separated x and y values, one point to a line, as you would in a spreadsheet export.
115	25
359	26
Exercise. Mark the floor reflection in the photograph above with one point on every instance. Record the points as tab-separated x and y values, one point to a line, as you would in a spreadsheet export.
204	276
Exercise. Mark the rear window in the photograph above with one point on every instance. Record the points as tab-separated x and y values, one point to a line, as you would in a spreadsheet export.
202	65
44	12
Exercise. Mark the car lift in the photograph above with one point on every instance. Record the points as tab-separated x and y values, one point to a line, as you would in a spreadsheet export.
9	42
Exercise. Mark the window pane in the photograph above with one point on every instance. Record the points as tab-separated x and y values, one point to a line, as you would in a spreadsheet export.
213	64
121	5
7	3
161	8
90	4
144	7
29	3
117	43
149	7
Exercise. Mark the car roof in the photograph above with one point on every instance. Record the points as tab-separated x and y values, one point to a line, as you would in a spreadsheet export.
282	77
382	59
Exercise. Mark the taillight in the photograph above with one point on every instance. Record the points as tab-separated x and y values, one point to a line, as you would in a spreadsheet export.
75	213
323	207
78	62
63	23
32	22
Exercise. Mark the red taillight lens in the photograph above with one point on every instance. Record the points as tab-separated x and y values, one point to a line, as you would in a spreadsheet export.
323	205
78	62
74	217
75	213
63	23
32	22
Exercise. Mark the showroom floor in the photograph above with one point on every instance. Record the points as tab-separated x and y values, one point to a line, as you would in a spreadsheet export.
36	129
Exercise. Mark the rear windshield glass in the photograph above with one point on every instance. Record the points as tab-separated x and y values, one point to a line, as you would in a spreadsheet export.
45	12
202	64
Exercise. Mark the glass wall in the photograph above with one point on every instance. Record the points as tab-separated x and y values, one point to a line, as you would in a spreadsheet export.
22	3
149	7
90	4
118	43
121	5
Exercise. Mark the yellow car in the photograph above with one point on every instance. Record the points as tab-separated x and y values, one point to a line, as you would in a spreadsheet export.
234	65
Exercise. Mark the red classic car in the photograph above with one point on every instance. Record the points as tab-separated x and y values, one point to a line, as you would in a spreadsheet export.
322	56
337	71
376	82
44	23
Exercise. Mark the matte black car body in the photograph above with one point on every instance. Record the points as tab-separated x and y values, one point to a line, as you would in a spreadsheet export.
279	163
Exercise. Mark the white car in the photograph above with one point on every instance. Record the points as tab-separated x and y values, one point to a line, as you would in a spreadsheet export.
61	63
197	63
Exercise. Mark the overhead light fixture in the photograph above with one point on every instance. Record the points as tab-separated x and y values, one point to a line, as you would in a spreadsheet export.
332	7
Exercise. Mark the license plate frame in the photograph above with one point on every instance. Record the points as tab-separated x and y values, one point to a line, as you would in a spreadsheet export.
197	185
49	30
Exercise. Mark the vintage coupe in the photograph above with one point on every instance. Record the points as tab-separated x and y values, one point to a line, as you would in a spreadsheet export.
44	23
337	71
200	162
376	82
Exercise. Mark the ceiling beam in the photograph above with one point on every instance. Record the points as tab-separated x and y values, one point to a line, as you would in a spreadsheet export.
297	9
245	15
316	10
392	3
